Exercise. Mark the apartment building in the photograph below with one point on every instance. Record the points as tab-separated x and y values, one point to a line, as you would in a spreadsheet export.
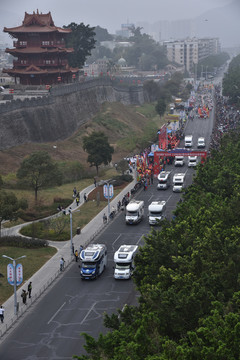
189	52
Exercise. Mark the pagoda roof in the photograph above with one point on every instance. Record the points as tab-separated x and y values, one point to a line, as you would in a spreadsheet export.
39	50
40	23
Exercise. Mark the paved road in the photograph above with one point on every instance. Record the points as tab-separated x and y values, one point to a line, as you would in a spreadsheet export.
51	330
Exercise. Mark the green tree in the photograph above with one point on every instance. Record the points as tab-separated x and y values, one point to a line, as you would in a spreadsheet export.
122	166
98	148
38	171
161	107
82	40
102	34
10	206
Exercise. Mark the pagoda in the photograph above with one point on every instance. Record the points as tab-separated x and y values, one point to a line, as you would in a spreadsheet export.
41	52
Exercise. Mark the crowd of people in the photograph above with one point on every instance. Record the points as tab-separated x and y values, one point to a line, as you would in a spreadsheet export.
227	118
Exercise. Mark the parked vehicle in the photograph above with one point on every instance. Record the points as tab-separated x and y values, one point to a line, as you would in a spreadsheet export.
94	261
134	211
156	212
124	261
163	180
178	182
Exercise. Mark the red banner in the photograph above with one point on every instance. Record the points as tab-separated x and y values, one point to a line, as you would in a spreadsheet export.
162	137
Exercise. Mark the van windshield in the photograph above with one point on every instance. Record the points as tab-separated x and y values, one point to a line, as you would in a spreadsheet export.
162	181
88	265
121	266
155	213
132	213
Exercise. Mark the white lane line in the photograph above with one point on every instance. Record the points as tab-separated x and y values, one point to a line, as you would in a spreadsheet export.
85	317
140	239
56	313
116	239
169	198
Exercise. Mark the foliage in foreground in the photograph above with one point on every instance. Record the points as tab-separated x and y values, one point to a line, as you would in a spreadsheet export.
188	277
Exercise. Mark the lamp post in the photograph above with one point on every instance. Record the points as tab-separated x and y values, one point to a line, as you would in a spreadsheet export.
15	280
71	237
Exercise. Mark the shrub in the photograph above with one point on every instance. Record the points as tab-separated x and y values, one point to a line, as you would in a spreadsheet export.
22	242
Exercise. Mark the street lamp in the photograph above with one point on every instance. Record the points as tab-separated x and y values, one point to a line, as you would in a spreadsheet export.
71	237
15	280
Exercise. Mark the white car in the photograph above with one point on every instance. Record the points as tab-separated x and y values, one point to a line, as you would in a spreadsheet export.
201	142
179	161
192	161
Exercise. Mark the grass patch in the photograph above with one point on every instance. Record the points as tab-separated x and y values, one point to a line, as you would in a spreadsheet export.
35	259
111	123
58	229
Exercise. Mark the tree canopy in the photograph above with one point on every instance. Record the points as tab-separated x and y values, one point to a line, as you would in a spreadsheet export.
82	40
10	206
231	81
98	148
187	274
38	171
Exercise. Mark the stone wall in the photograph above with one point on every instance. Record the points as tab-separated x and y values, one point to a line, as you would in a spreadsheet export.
58	115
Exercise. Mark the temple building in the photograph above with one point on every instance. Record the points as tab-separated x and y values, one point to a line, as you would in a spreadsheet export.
41	52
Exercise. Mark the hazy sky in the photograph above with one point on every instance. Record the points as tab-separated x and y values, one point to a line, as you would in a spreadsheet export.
109	14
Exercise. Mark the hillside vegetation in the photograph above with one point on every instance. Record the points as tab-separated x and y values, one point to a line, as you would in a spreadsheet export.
129	129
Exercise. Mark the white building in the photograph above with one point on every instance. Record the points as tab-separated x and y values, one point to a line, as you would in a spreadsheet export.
189	52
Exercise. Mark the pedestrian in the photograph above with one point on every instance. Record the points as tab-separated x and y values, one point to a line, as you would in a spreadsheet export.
104	218
62	262
2	314
77	201
74	192
76	255
29	289
24	296
95	182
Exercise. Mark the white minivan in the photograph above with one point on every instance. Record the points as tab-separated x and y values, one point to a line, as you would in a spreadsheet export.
192	161
188	141
201	142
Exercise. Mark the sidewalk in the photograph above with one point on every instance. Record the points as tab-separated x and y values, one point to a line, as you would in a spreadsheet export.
50	271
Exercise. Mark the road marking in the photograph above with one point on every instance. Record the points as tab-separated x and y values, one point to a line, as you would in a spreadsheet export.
56	312
140	239
85	317
116	239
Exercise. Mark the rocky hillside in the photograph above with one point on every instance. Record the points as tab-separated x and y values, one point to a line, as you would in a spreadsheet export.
128	128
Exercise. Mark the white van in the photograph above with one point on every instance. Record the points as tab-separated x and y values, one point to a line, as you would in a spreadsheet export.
134	211
179	161
188	141
163	180
192	161
124	261
178	182
201	142
94	261
156	212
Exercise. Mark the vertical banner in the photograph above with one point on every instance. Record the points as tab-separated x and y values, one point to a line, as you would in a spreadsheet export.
10	274
162	137
19	274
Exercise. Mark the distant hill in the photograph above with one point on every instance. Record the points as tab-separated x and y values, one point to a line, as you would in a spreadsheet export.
222	22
